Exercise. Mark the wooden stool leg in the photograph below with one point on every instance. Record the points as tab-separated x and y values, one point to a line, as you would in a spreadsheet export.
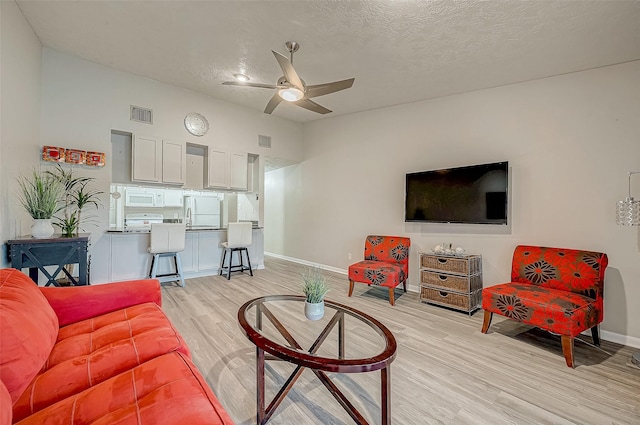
179	268
567	349
487	321
224	255
350	287
246	251
154	266
392	296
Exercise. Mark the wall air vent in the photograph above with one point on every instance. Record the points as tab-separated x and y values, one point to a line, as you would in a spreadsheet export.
141	114
264	141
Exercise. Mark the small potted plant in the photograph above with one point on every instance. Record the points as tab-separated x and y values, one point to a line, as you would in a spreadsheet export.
40	196
314	288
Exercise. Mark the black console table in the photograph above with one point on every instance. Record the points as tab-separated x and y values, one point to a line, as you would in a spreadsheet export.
36	254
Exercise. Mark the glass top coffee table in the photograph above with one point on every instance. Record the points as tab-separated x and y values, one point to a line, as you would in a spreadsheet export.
344	341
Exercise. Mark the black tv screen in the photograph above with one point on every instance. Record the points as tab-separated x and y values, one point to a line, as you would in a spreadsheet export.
475	194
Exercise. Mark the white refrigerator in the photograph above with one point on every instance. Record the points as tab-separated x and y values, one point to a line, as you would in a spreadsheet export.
202	211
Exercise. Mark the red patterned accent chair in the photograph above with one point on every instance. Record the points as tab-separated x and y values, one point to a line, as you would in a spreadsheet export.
559	290
386	263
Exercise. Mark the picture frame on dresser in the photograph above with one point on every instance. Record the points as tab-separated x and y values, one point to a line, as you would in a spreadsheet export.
450	281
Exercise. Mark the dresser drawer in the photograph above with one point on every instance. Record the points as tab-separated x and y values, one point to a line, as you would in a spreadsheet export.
464	266
464	302
451	282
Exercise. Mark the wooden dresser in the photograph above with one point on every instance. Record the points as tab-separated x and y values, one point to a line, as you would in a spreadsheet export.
451	281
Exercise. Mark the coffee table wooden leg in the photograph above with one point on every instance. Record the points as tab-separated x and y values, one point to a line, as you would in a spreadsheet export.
341	336
385	402
260	386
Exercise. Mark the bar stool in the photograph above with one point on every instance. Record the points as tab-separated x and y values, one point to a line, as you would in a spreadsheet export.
238	239
167	240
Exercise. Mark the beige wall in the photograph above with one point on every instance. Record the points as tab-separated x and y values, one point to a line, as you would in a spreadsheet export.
569	140
81	102
20	88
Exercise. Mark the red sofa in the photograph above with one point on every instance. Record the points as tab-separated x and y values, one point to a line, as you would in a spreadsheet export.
103	354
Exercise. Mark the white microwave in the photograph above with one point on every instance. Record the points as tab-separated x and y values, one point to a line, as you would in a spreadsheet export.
143	198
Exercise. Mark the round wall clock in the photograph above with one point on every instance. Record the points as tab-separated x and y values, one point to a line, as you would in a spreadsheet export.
196	124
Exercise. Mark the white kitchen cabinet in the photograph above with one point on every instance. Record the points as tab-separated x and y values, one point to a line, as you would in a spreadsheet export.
209	251
226	170
189	256
173	198
174	162
130	258
158	161
146	159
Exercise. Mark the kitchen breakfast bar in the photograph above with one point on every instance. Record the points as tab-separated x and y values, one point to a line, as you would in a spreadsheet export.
129	257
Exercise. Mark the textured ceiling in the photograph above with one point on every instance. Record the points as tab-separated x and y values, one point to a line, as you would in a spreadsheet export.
398	51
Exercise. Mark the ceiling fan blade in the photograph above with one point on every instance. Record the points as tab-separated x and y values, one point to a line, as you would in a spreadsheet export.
273	102
322	89
289	73
258	85
312	106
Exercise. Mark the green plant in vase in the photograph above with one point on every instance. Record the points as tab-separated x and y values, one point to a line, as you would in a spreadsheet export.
40	195
77	196
315	288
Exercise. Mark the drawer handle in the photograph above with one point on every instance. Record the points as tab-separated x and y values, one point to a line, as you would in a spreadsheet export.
442	260
443	294
442	277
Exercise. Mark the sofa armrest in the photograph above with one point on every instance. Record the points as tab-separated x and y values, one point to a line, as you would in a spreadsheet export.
77	303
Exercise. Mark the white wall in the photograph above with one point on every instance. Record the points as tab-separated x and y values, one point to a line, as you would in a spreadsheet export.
82	102
20	65
569	140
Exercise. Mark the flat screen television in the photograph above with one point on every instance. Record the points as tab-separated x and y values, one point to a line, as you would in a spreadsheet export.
476	194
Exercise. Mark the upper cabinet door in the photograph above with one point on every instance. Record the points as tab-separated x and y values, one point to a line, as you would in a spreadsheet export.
217	163
174	162
238	171
146	159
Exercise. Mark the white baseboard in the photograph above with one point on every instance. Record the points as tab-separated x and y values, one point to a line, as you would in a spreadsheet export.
307	263
629	341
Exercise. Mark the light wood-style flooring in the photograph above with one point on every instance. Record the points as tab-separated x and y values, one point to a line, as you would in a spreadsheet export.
446	371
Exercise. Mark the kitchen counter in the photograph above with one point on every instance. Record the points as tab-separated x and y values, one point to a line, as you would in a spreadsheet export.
122	254
189	229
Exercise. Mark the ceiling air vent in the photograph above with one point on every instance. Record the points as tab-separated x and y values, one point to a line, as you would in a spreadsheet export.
264	141
141	114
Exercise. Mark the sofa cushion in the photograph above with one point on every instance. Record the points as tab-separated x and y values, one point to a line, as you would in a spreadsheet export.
94	350
28	330
377	273
558	311
164	390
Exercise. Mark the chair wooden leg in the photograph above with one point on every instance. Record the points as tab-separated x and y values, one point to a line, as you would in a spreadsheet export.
404	285
391	296
595	335
350	287
567	349
487	321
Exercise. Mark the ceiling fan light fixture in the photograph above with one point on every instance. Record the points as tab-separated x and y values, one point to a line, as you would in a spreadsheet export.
291	94
241	77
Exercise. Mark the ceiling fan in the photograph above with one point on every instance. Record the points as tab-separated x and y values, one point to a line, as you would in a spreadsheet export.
292	88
